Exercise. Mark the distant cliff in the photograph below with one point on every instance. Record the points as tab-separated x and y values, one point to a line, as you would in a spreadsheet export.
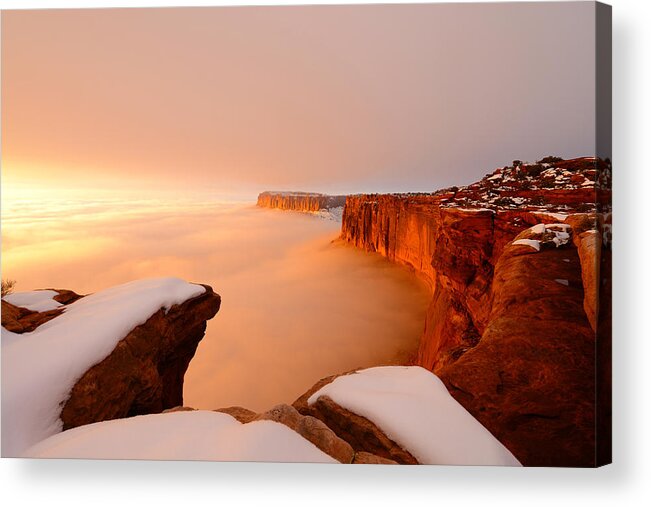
300	201
516	304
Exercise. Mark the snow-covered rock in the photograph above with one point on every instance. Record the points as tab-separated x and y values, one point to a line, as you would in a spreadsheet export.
184	435
35	300
97	361
414	409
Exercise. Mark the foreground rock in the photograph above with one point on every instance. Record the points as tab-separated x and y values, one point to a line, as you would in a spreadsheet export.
144	373
402	414
310	428
182	435
530	379
461	242
120	352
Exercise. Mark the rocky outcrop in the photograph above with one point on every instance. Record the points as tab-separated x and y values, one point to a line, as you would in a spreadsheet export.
310	428
144	372
365	437
497	314
530	378
300	201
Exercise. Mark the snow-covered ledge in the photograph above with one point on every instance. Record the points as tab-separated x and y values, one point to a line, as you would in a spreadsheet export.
414	409
40	368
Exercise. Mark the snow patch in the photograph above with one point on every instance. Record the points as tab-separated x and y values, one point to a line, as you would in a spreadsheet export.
533	243
538	229
335	214
34	300
562	281
40	368
195	435
414	409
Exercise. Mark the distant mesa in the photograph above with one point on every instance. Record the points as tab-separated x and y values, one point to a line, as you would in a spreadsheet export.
300	201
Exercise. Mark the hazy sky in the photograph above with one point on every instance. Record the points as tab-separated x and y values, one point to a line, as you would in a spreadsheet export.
343	98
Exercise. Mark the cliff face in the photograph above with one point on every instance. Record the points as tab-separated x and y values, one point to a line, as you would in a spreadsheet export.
144	373
300	201
510	328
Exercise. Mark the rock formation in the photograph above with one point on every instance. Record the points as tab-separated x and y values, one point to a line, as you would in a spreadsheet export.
365	437
511	328
143	374
300	201
310	428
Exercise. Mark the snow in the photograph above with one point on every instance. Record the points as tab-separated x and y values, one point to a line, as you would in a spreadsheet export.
560	232
40	368
335	214
562	281
195	435
538	229
560	237
533	243
414	409
35	300
475	210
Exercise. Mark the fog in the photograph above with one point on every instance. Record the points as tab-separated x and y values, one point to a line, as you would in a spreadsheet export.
296	306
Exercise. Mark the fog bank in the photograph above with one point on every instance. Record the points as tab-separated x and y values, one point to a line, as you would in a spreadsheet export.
295	306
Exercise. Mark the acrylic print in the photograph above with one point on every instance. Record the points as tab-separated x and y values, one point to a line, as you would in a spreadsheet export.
362	234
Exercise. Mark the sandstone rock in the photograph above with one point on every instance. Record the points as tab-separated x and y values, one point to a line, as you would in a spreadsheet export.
366	458
311	429
180	408
589	248
530	379
144	373
244	415
362	434
481	323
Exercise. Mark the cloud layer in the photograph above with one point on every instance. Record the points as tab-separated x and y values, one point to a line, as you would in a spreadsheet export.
296	306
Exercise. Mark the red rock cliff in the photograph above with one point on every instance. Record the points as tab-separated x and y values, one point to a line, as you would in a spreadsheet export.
300	201
511	328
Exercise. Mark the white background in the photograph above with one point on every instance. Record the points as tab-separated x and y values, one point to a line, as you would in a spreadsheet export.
627	482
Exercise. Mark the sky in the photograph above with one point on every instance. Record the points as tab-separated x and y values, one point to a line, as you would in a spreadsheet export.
335	99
